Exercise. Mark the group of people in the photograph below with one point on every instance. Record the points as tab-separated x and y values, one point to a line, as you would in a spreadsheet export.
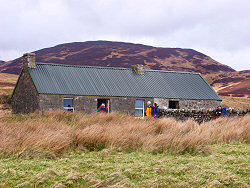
152	110
221	112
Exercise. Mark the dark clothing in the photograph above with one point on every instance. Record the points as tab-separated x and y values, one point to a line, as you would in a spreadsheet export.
156	112
218	112
224	112
102	109
70	109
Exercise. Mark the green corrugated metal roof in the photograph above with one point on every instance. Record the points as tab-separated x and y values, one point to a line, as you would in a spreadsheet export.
121	82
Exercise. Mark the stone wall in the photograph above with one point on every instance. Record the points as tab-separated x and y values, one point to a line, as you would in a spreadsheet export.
189	104
80	103
125	105
88	104
200	115
51	102
25	98
162	103
199	104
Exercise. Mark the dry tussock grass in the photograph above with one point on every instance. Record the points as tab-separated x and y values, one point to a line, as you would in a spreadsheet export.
236	102
54	133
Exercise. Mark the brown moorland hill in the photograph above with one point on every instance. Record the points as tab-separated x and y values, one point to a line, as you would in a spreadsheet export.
236	102
120	54
223	78
7	83
234	84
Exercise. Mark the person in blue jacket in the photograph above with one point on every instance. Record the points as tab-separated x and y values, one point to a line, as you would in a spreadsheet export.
156	112
224	112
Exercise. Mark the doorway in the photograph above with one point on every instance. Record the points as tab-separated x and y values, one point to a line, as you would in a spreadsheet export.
103	101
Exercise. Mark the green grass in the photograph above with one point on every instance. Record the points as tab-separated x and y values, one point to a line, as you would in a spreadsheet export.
60	149
226	166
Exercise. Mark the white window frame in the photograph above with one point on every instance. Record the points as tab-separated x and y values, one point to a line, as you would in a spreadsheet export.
140	108
69	108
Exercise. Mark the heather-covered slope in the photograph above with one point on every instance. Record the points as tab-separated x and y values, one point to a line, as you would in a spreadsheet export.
236	84
223	78
119	54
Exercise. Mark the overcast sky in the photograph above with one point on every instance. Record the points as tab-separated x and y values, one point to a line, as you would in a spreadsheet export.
218	28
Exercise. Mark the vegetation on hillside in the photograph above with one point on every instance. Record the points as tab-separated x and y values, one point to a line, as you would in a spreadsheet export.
7	83
55	133
236	102
225	80
58	149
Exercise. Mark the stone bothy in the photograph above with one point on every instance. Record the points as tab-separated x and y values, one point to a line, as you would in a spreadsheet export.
47	86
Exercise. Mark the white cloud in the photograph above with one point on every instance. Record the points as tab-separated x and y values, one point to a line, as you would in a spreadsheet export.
219	27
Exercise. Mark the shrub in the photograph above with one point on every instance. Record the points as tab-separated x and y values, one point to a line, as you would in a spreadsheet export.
59	132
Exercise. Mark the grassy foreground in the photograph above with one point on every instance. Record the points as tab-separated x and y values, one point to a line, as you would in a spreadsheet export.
228	165
68	149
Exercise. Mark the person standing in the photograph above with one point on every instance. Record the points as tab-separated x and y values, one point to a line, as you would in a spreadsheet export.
218	111
148	109
156	112
224	112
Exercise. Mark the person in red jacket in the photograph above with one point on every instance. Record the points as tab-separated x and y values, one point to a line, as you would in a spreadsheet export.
102	108
218	112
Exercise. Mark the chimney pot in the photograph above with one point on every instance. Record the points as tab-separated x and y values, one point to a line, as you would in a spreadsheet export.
29	60
139	69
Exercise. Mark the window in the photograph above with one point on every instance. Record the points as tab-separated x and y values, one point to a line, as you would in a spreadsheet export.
68	104
174	104
139	108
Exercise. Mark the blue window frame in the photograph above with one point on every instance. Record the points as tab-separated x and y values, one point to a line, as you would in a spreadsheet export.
139	108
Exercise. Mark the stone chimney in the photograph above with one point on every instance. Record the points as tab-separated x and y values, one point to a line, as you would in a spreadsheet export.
139	69
29	60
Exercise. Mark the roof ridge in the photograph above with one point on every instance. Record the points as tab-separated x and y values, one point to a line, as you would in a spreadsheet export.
118	68
80	66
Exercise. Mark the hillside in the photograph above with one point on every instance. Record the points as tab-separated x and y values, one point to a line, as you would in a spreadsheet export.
223	78
118	54
236	84
7	83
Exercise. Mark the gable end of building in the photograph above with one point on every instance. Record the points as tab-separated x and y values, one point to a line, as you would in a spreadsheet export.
25	98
